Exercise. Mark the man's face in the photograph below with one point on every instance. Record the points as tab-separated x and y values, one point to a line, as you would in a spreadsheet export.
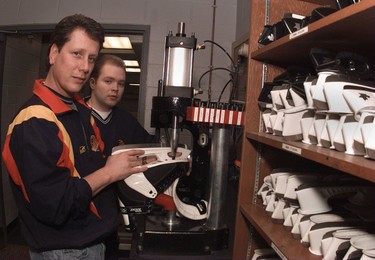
72	65
108	89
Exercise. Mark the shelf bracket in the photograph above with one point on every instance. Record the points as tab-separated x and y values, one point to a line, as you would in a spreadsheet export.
259	146
268	8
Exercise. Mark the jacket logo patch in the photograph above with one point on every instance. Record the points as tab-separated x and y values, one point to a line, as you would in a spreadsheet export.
94	143
82	149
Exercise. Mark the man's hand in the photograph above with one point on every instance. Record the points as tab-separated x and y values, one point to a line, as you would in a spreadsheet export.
118	167
124	164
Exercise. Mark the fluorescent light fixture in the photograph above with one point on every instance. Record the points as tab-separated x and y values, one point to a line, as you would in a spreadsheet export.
117	42
133	70
134	84
131	63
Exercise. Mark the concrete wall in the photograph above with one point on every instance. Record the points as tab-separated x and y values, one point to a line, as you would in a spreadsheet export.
243	18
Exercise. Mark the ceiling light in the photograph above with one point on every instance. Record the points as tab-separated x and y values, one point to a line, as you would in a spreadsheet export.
134	84
133	70
131	63
114	42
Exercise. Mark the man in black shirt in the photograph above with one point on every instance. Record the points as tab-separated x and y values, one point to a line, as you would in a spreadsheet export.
117	126
107	84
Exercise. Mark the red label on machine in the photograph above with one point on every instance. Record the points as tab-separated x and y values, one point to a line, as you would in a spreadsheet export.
214	115
217	115
201	114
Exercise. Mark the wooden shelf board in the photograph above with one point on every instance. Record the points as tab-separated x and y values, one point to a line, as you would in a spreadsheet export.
355	165
348	29
276	234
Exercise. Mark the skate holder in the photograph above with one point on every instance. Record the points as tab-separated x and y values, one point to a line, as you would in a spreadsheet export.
348	129
283	92
306	124
331	245
306	225
265	189
272	116
309	82
296	220
265	195
277	215
314	199
333	89
293	113
317	93
277	127
311	234
297	99
277	114
361	134
288	216
338	140
320	229
368	254
359	98
266	116
294	181
330	130
370	141
265	104
318	125
279	182
291	130
271	203
359	243
277	103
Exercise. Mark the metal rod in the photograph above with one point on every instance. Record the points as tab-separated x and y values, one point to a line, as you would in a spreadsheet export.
218	176
212	50
174	137
181	28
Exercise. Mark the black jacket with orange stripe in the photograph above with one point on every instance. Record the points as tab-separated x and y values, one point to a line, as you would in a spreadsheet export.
48	150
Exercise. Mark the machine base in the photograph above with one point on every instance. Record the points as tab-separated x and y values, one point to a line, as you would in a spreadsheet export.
187	238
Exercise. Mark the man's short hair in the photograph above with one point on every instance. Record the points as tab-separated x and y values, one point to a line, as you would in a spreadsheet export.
67	25
106	59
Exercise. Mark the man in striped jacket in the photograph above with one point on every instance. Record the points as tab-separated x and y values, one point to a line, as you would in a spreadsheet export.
53	152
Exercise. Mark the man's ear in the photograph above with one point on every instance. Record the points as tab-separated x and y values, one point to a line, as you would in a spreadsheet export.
53	52
92	83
